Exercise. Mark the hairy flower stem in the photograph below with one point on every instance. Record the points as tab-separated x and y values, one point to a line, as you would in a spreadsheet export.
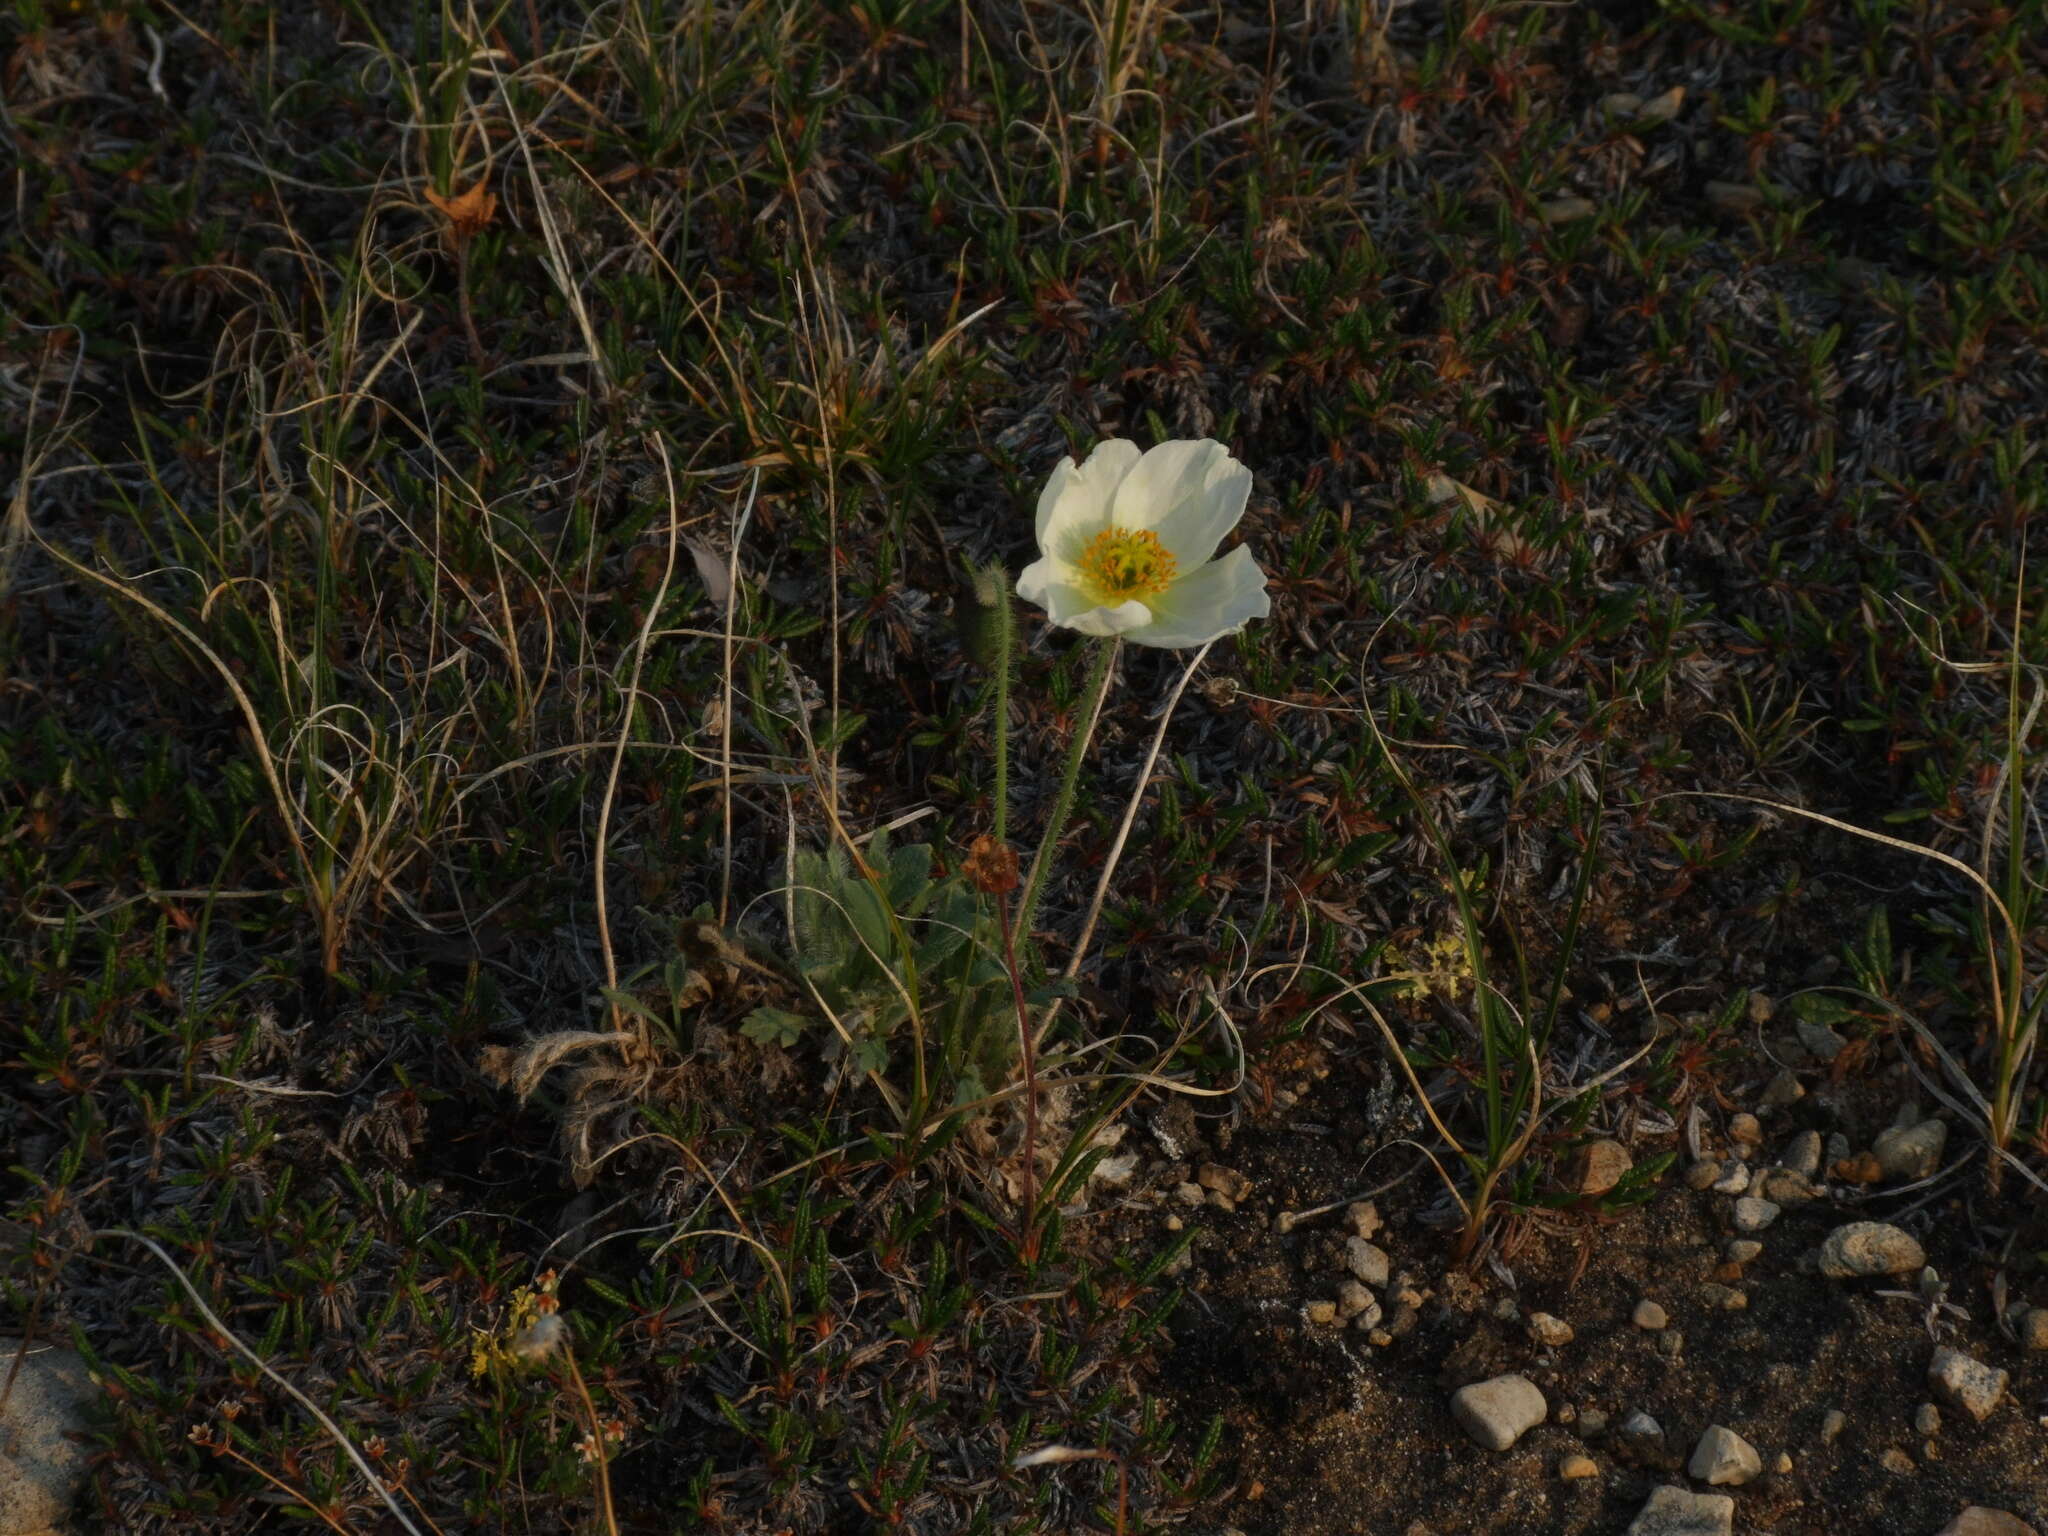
1094	692
1027	1055
1003	616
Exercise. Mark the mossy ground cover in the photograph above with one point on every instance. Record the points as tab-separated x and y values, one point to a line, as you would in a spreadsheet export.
485	483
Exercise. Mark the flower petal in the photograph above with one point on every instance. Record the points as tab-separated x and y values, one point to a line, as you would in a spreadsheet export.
1051	584
1039	578
1190	493
1075	503
1124	619
1218	599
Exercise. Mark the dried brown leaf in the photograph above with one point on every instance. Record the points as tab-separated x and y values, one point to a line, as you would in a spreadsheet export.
468	213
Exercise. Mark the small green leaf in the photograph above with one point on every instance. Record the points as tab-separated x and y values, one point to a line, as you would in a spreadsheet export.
1820	1008
634	1006
774	1026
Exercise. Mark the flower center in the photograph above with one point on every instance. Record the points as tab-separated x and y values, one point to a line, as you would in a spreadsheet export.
1122	563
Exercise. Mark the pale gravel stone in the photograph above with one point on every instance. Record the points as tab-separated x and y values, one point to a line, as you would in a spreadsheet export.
1497	1413
1802	1154
1227	1182
1681	1512
2033	1328
1913	1151
1353	1299
1783	1090
1979	1521
1753	1215
1367	1261
1724	1459
1786	1186
1869	1248
1640	1426
1966	1383
1649	1315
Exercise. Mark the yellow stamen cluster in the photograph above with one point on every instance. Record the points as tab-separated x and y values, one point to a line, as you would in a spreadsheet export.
1122	563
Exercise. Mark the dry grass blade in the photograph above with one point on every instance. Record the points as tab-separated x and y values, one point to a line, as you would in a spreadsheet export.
558	264
631	707
1130	816
15	529
728	696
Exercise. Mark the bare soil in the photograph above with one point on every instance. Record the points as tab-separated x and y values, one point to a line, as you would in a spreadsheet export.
1333	1436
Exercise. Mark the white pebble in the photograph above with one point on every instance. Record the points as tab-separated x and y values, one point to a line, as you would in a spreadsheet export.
1496	1413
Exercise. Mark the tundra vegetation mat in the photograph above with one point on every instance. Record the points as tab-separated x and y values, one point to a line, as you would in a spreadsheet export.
494	498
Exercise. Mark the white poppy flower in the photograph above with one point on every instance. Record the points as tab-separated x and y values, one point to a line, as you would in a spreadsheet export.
1125	544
